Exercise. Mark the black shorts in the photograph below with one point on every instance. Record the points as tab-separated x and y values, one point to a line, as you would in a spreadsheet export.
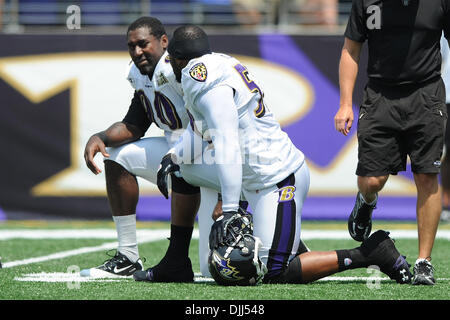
401	121
447	131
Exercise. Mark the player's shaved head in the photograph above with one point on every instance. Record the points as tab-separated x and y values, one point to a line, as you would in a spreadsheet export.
189	42
189	32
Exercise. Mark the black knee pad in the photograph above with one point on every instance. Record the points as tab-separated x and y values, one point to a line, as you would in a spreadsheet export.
179	185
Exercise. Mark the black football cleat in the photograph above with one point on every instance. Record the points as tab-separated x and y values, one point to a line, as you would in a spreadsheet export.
380	250
360	220
167	273
423	273
118	265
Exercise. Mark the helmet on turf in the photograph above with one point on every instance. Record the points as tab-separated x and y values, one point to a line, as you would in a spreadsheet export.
236	262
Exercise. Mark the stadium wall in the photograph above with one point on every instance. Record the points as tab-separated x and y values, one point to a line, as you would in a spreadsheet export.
57	90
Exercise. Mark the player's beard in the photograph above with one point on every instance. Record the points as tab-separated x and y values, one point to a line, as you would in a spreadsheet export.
147	69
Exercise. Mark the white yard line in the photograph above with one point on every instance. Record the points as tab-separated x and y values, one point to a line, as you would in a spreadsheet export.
74	278
343	234
76	233
62	277
111	234
60	255
149	236
332	278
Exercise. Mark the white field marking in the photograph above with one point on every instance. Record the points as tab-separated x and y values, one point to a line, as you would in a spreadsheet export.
60	255
343	234
332	278
62	277
112	234
149	236
73	277
76	234
76	277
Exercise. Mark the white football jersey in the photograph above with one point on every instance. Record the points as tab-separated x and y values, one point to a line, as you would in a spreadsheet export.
162	97
268	154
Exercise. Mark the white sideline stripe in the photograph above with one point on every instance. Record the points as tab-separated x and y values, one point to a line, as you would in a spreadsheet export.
343	234
73	277
60	277
112	234
75	234
331	278
148	236
60	255
155	235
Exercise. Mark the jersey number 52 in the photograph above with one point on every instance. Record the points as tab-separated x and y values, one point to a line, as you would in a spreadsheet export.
260	111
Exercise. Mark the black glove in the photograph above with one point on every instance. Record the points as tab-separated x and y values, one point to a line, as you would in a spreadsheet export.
166	168
218	229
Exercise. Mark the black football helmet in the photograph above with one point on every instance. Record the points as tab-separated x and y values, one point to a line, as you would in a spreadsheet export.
235	262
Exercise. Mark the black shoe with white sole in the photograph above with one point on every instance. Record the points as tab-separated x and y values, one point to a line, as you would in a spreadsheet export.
118	265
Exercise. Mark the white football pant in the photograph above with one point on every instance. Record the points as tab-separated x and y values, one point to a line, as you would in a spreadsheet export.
142	158
276	212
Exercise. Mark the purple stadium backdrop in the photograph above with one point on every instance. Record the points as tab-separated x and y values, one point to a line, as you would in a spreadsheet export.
57	90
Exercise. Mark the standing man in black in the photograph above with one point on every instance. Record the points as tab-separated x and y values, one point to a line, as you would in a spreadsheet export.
403	112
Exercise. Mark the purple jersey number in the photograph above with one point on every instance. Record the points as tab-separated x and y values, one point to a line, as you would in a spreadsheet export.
166	111
146	103
260	111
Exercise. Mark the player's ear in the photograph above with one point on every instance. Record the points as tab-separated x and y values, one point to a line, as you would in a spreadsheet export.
164	41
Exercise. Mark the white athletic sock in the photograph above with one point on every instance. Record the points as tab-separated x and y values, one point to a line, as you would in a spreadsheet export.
126	235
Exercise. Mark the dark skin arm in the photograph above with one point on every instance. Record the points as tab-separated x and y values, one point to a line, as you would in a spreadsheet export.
217	212
116	135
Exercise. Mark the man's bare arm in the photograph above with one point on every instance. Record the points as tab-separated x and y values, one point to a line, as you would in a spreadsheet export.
348	71
116	135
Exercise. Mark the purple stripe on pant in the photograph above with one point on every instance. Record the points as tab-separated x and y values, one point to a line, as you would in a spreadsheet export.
283	239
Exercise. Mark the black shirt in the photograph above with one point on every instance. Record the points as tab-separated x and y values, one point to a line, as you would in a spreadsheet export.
137	114
403	38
